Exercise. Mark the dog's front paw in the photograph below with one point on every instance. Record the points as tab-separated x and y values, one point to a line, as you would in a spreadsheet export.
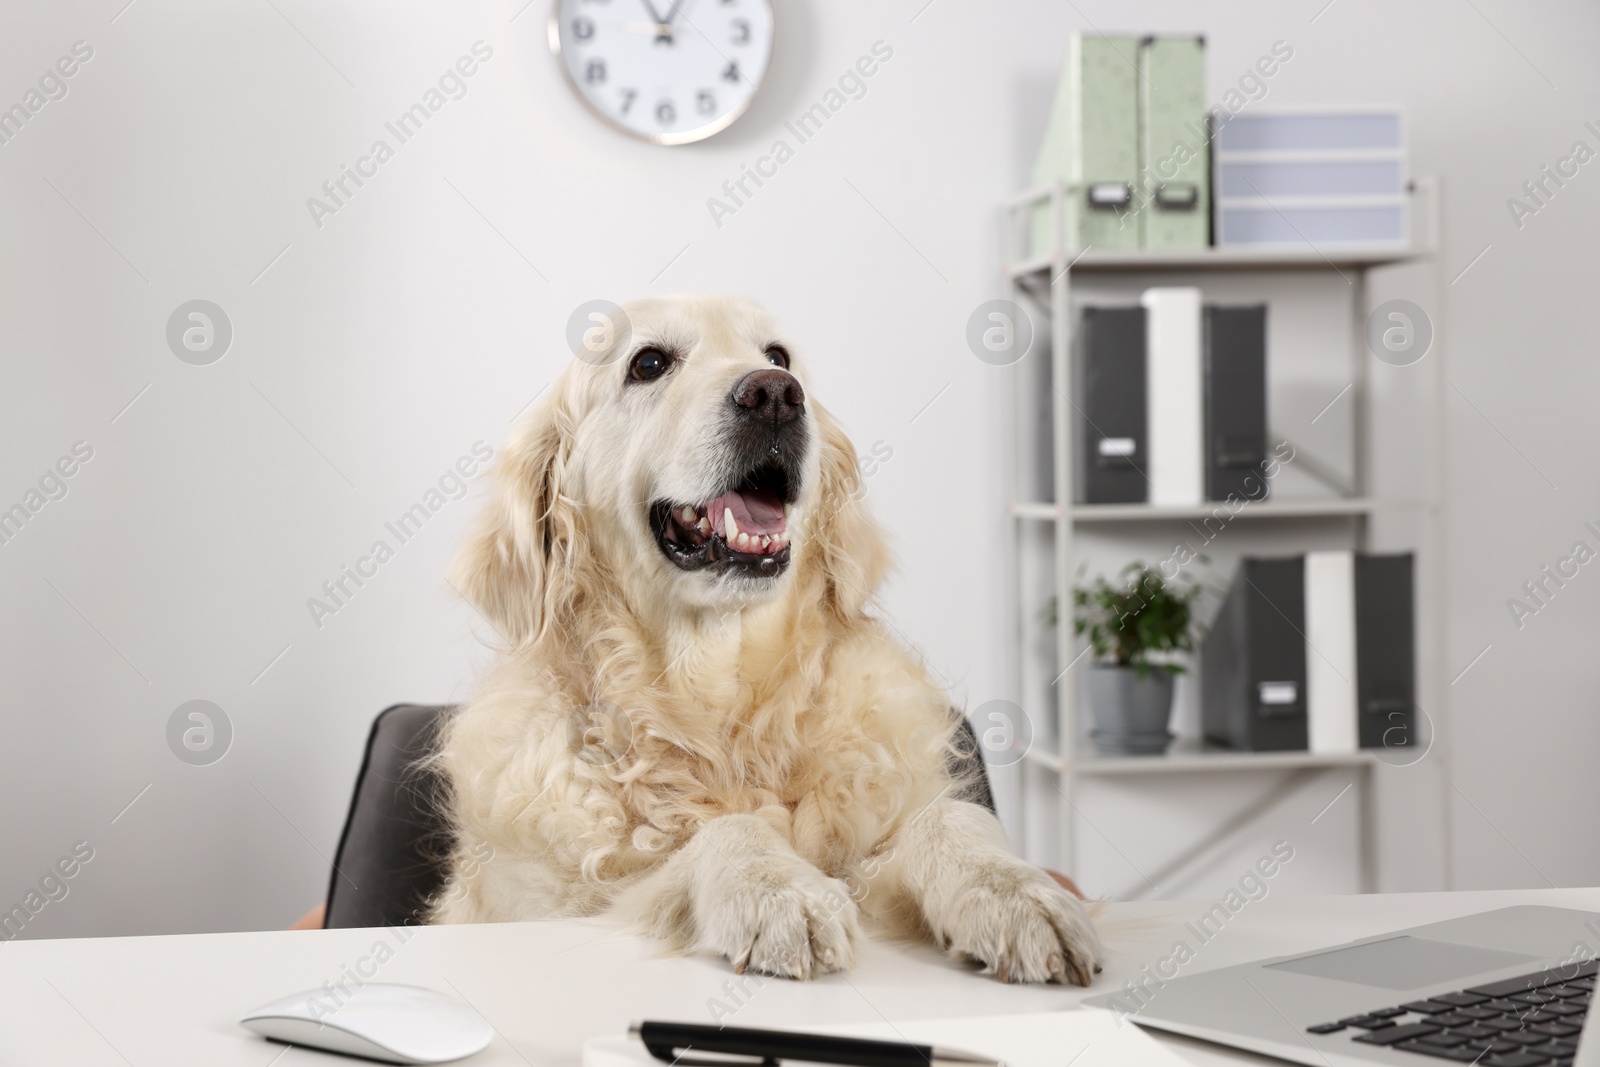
783	917
1013	919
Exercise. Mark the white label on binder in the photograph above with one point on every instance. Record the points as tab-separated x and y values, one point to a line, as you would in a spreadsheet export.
1277	693
1110	194
1117	446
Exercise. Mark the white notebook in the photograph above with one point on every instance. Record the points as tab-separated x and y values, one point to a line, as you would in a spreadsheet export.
1083	1037
1174	394
1331	652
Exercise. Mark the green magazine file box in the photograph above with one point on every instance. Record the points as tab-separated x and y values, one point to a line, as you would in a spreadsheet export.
1092	145
1173	197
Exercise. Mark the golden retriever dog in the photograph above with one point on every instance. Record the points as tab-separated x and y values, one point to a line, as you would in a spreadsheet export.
698	726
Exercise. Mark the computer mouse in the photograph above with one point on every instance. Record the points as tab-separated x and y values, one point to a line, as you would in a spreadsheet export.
378	1020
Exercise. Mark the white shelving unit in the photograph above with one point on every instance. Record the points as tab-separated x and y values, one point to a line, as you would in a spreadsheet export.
1043	284
1351	507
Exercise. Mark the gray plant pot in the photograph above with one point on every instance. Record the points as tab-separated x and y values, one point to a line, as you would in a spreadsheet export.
1130	713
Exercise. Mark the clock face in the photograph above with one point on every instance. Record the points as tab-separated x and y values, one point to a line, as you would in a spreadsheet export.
670	71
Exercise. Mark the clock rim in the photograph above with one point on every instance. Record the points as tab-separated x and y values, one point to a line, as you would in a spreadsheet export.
669	140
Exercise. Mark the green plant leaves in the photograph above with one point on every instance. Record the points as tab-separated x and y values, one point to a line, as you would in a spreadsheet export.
1141	615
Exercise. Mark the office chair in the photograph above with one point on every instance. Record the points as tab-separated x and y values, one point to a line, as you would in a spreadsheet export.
393	852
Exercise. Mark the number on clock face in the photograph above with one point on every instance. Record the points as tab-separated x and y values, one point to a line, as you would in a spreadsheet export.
670	71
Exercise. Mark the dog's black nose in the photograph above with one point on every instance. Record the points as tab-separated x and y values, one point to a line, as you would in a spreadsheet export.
770	394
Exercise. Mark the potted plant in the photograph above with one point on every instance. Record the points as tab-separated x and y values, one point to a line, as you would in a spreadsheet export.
1137	628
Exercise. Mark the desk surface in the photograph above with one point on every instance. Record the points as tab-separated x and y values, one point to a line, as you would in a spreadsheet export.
547	987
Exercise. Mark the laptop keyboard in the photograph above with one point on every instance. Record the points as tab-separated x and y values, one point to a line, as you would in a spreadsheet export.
1531	1021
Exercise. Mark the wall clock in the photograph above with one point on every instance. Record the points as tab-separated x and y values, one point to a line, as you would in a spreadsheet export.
669	71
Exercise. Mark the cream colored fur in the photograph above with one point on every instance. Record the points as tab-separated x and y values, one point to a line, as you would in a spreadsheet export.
739	768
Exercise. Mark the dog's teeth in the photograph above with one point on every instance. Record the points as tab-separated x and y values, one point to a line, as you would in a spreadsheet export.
766	542
686	513
730	529
704	526
744	540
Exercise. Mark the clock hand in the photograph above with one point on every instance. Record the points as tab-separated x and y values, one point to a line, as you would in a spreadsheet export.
657	19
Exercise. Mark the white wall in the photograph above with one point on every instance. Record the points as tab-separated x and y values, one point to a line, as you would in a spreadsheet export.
382	345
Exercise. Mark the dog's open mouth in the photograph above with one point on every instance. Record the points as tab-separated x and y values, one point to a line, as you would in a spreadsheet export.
745	528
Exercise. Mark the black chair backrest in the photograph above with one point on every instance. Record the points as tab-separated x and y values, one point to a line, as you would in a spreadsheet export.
392	855
395	846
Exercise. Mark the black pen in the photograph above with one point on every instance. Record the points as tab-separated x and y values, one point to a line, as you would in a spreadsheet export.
672	1042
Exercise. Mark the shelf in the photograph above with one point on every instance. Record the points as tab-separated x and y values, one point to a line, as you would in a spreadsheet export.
1045	524
1191	756
1352	507
1338	257
1338	507
1042	512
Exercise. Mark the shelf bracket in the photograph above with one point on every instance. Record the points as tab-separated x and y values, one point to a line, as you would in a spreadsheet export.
1286	787
1322	472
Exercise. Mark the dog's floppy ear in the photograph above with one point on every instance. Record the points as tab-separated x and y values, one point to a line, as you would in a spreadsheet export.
848	544
515	565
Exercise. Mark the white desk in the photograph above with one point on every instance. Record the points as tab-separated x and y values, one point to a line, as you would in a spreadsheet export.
546	987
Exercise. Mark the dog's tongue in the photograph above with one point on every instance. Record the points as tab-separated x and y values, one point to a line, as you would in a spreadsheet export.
756	511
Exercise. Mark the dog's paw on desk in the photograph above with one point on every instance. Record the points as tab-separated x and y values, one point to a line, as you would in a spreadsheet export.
1015	920
783	918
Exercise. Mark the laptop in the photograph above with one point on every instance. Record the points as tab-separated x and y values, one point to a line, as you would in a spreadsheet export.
1506	988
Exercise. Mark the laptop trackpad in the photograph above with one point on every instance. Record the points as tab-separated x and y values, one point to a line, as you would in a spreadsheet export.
1402	962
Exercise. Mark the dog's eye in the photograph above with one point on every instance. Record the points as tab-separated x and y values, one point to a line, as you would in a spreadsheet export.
778	356
649	364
